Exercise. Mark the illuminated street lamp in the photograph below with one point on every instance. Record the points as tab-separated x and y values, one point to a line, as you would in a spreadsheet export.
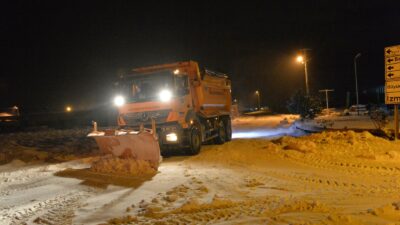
300	59
68	109
258	99
303	60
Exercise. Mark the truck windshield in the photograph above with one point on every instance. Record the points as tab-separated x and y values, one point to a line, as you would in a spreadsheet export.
148	87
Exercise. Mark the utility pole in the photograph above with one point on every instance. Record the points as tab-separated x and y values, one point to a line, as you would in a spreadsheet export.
303	58
355	74
326	97
306	75
258	99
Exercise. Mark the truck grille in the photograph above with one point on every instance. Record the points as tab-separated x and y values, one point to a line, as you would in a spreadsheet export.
134	119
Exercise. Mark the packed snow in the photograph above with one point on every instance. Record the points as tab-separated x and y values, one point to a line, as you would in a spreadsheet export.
336	177
122	166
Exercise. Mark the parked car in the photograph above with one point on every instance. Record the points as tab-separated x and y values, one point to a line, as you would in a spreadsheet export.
356	110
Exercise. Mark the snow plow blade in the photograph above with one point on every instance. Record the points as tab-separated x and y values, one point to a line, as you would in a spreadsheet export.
138	145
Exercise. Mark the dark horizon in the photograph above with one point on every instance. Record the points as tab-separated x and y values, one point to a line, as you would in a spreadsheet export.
68	53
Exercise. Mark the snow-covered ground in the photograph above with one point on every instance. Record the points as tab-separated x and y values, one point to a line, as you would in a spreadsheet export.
324	178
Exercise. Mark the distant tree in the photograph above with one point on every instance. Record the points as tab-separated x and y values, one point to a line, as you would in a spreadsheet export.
308	106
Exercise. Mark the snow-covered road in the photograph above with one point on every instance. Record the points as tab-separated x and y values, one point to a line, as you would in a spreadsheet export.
328	178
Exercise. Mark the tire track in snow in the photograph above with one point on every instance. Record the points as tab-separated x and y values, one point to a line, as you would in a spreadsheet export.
355	166
61	213
340	183
53	199
265	208
56	210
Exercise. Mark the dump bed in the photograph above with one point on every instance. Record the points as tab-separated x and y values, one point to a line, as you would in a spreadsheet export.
213	95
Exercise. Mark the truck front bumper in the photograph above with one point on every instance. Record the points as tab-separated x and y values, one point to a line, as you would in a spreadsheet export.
172	136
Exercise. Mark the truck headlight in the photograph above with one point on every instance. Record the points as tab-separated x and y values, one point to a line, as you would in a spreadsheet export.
171	137
165	95
119	100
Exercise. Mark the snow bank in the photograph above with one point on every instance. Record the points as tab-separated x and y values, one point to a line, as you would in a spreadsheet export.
236	152
343	144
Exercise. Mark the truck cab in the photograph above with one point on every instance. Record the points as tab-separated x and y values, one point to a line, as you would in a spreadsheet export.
188	107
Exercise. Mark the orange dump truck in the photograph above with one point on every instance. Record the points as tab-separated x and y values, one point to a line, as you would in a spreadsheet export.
167	107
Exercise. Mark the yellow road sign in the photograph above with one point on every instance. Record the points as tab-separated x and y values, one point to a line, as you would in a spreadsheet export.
393	67
392	86
392	60
392	51
392	98
392	75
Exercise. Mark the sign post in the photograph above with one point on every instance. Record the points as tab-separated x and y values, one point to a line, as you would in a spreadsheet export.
392	84
396	121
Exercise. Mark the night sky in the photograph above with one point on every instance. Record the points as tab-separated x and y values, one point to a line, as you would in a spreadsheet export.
69	52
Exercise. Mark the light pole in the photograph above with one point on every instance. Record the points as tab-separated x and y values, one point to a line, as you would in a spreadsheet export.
355	75
303	59
258	99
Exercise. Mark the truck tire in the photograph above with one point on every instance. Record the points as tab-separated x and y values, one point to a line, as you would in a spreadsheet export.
195	143
228	129
221	138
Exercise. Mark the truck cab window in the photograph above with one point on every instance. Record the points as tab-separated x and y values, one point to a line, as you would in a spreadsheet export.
181	85
147	87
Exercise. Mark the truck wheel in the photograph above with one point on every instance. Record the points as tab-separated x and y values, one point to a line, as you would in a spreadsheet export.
221	138
195	143
228	129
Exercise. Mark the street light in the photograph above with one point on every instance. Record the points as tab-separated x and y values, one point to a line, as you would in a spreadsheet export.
68	109
258	99
303	60
355	75
300	59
